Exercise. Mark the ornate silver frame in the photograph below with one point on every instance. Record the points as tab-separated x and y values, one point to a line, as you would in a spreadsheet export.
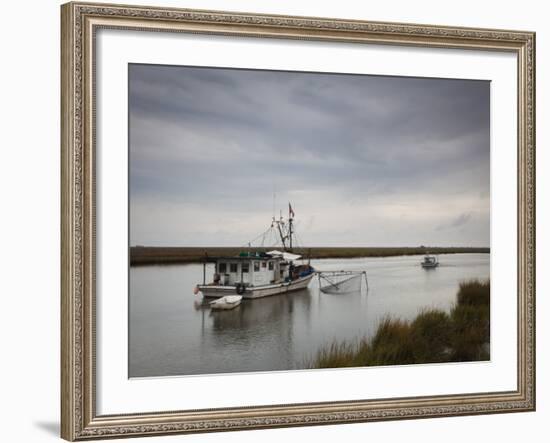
80	21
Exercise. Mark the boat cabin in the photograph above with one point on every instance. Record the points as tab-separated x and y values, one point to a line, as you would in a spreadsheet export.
254	268
252	271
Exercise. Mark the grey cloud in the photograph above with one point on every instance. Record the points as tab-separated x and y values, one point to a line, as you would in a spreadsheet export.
222	139
457	222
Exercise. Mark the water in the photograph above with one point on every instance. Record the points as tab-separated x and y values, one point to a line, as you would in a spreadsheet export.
172	332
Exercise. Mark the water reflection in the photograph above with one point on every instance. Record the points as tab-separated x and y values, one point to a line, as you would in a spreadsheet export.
265	312
174	333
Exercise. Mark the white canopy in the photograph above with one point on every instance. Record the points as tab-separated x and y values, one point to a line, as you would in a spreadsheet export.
285	255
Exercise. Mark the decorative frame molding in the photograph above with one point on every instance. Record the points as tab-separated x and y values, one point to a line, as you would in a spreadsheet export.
80	21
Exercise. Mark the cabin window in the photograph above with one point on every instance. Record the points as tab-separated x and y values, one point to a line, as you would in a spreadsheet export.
222	267
244	268
270	266
264	265
233	267
256	266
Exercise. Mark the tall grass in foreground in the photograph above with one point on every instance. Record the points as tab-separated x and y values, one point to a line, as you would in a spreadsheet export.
434	336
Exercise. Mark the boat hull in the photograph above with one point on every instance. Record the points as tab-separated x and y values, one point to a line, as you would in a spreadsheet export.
211	291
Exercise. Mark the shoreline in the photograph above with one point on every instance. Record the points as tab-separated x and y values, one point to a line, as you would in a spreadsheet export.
153	255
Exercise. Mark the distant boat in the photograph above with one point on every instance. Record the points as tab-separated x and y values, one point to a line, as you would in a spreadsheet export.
260	274
430	261
226	302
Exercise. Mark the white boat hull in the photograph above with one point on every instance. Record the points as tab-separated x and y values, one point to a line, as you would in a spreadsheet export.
211	291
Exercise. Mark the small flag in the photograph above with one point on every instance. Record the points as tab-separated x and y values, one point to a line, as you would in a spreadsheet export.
290	211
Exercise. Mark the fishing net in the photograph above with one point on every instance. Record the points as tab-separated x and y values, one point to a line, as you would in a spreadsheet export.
342	286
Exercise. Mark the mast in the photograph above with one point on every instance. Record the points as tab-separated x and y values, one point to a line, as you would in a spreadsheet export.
290	220
285	234
281	232
290	232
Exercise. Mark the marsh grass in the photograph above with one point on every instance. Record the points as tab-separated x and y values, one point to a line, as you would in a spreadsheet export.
339	355
471	321
434	336
474	293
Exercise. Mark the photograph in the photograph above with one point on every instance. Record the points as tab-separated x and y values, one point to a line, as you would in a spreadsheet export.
289	220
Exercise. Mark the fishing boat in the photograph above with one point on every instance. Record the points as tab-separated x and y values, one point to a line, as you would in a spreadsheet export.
226	302
430	261
255	274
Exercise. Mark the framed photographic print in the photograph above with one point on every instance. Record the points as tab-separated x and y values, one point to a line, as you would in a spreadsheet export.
282	221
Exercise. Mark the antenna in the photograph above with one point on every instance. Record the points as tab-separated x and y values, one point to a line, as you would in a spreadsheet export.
290	220
274	197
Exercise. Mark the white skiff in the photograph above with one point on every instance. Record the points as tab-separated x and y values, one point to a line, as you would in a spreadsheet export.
226	302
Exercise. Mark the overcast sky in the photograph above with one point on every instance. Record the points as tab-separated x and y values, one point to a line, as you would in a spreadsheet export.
365	160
